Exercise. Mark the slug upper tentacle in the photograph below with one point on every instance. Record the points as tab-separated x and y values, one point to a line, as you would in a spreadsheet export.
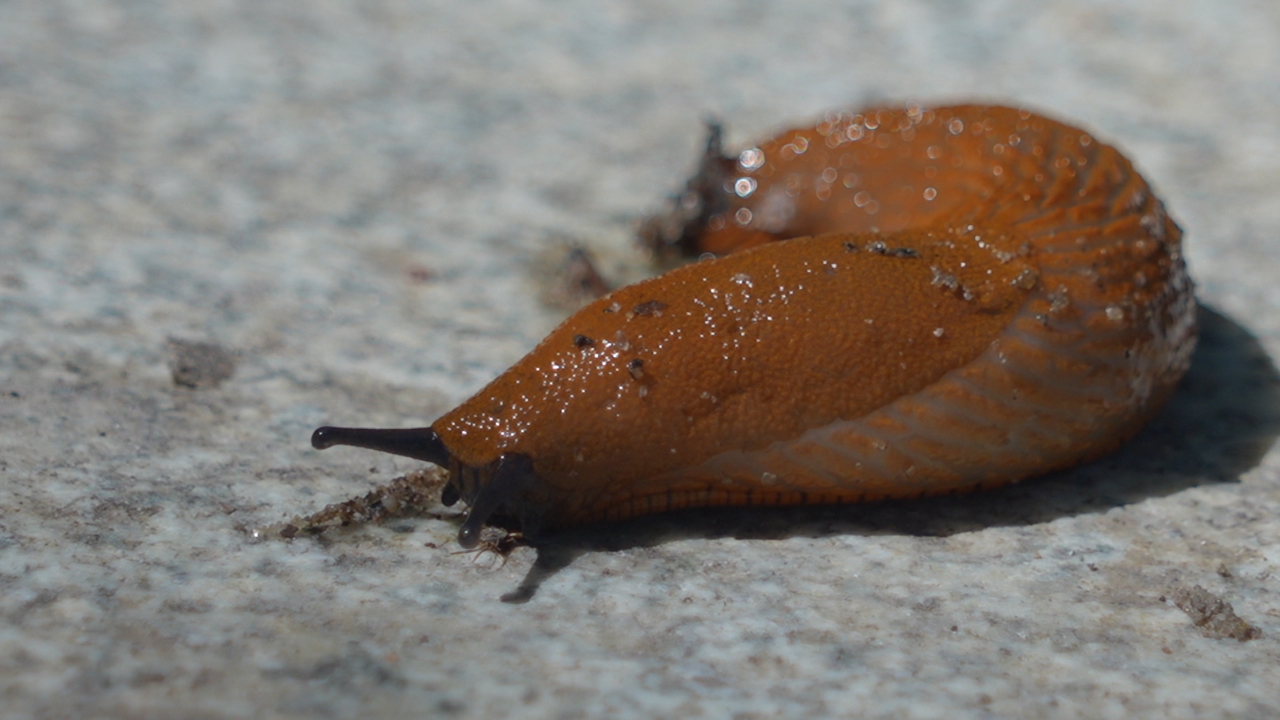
909	302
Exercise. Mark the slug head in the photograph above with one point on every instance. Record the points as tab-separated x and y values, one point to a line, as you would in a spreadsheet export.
496	488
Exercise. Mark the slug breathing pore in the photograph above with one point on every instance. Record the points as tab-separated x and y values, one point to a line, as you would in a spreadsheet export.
901	302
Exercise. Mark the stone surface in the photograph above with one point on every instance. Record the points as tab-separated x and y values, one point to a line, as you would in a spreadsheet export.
352	204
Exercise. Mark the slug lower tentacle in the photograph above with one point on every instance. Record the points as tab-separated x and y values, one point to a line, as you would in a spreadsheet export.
911	302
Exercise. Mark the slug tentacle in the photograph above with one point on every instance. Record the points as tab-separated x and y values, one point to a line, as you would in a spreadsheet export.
416	443
507	480
909	302
500	487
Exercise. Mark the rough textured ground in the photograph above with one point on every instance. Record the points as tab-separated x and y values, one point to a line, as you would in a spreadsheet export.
224	223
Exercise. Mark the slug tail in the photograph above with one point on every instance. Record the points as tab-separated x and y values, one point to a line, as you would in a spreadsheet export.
678	233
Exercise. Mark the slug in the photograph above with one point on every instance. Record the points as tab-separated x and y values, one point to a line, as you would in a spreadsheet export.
909	302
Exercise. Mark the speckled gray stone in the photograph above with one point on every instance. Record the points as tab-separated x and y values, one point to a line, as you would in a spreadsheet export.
355	202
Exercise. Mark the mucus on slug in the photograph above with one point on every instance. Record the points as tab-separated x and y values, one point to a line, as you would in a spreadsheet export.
830	387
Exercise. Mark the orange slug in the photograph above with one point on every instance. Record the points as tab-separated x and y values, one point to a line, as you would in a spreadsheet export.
911	302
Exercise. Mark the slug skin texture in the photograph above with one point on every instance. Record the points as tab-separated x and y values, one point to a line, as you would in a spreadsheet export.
905	302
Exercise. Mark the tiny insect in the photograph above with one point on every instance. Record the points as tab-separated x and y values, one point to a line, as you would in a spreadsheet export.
904	302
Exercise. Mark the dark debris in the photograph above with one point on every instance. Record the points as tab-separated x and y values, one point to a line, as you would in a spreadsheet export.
1214	616
199	365
410	495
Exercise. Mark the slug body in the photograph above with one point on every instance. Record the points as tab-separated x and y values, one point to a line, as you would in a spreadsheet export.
911	302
